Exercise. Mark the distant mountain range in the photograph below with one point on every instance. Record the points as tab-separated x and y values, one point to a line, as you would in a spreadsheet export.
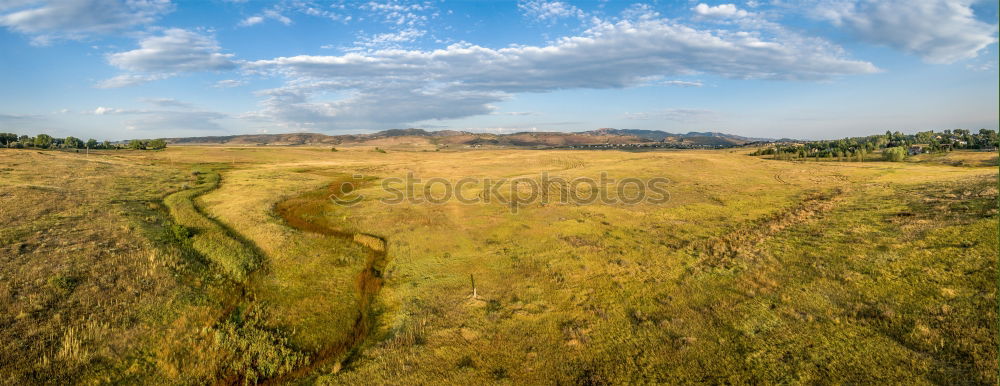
657	135
605	136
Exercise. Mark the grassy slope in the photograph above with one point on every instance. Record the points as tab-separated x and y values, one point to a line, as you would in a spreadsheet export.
236	258
93	285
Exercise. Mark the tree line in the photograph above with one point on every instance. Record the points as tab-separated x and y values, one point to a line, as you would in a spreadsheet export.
895	146
45	141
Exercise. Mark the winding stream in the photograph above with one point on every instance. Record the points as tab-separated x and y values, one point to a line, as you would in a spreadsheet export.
301	213
304	213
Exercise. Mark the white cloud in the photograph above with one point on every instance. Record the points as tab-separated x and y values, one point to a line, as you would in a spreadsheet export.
406	22
514	113
177	50
164	56
394	86
77	19
373	107
279	11
940	31
106	110
127	80
549	10
637	11
274	14
722	11
398	13
681	83
320	11
252	20
229	83
607	56
389	39
990	65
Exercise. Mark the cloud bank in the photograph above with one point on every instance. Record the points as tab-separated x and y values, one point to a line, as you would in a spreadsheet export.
46	21
174	51
391	87
939	31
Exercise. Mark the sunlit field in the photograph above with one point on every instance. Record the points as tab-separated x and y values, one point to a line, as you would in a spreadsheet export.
204	264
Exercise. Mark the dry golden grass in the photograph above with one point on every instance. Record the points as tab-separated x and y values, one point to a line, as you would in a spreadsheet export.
83	283
756	271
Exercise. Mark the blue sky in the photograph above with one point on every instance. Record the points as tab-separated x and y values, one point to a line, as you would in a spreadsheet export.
111	69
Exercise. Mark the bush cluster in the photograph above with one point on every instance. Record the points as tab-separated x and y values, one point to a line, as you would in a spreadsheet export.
45	141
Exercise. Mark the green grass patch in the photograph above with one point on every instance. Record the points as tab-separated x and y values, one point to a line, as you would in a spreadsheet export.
235	257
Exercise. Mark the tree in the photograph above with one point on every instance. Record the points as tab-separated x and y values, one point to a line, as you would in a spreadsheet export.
107	145
136	144
988	138
92	144
7	138
157	144
43	141
72	143
894	154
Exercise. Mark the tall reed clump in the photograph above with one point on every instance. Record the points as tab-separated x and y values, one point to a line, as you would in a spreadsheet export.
207	236
256	352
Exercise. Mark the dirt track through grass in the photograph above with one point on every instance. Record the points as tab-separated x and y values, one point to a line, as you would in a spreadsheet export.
744	242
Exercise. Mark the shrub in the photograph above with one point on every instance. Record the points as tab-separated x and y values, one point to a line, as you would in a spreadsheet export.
493	305
466	363
156	144
180	232
64	283
499	373
256	352
894	154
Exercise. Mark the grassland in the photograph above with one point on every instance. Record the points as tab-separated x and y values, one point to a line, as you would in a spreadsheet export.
232	264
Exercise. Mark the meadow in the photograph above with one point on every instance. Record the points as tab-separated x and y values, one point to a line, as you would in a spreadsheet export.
213	264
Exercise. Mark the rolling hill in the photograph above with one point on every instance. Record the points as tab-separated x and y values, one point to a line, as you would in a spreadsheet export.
464	138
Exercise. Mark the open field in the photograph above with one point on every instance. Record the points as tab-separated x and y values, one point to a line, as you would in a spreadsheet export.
234	265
